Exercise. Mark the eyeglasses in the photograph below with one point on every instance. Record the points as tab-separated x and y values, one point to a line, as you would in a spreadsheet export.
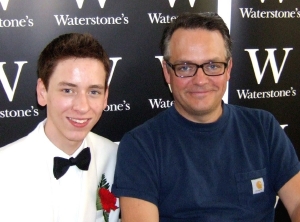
190	69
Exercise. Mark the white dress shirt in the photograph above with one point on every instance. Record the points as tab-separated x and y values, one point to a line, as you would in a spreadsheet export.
67	190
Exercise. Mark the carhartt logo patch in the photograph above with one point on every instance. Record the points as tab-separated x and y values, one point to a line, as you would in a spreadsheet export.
258	185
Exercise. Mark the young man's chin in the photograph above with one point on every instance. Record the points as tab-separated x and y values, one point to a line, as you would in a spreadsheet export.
77	137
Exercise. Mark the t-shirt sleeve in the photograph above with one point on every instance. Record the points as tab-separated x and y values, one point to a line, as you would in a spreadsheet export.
283	158
136	174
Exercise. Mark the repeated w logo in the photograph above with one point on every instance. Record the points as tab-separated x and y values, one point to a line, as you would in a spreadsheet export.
172	2
80	3
270	59
263	1
4	4
10	91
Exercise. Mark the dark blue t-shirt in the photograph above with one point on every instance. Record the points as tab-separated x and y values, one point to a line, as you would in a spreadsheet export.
229	170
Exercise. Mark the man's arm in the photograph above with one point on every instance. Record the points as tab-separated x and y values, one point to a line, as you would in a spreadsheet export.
290	196
137	210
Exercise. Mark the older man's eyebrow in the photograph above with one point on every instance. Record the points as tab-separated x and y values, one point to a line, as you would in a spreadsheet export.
96	87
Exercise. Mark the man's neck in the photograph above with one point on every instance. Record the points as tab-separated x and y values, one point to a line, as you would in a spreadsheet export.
203	117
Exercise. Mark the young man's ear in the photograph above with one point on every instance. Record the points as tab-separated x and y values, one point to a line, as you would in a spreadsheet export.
41	92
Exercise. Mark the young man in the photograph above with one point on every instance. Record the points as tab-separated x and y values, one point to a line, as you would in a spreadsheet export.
55	173
203	160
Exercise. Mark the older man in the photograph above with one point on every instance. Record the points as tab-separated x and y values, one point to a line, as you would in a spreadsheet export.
201	159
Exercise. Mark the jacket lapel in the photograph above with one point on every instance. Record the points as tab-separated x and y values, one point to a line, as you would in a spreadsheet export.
89	190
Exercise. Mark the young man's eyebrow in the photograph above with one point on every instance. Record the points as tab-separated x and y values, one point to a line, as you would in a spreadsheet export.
67	84
95	86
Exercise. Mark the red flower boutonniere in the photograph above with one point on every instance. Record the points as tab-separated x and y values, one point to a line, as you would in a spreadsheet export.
106	201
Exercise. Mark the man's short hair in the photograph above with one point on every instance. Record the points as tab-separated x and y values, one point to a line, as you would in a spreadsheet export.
71	45
208	20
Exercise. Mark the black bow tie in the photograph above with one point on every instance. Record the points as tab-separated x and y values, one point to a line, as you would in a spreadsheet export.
61	165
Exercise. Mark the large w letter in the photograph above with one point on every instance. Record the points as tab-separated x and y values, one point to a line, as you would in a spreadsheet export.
114	61
102	3
271	58
172	2
262	1
10	92
4	4
80	3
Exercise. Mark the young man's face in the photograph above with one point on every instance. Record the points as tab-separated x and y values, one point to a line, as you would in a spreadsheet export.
197	98
75	99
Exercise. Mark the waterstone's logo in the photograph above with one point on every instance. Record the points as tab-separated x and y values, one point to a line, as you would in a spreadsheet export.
259	74
159	103
29	112
67	20
15	23
80	3
159	18
117	107
10	91
270	59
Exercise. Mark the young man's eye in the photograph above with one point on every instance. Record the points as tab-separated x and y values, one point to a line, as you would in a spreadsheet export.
95	92
67	90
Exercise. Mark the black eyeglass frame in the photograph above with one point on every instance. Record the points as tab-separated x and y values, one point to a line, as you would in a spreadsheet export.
198	66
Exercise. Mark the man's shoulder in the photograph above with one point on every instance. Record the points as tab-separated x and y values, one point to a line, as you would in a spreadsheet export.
248	111
251	118
19	143
17	152
13	145
154	123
